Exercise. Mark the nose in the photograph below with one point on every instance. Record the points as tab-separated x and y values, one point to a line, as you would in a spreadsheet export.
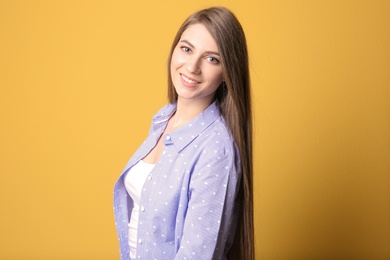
193	65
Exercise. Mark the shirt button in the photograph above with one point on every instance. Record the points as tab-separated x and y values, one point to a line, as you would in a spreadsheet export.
164	152
149	178
168	137
140	241
142	208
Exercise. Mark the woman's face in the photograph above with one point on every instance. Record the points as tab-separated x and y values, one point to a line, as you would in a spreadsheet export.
196	68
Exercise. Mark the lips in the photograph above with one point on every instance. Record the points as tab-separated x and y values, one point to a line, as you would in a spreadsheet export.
189	80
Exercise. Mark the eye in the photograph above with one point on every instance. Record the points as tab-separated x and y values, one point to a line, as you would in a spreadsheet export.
213	60
185	49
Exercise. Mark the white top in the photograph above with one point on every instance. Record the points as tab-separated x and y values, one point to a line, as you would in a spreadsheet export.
134	180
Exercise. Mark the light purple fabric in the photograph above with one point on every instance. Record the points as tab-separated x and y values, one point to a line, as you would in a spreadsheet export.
187	207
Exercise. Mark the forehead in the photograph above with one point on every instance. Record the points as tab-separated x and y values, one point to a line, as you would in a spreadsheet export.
198	35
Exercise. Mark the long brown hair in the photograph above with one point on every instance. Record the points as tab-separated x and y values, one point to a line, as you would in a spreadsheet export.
234	99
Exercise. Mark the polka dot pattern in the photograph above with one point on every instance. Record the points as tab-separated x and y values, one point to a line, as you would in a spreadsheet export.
187	200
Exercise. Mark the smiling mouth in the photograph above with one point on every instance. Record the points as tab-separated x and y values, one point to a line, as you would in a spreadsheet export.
188	80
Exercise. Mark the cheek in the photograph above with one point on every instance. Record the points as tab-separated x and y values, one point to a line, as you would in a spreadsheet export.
173	65
216	76
176	59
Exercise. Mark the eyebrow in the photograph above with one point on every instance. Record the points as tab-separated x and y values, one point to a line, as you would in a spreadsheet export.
192	46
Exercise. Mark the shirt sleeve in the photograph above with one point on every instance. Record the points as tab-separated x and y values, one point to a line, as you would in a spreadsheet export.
209	221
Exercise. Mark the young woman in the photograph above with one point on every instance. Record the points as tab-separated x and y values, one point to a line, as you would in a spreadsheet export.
187	191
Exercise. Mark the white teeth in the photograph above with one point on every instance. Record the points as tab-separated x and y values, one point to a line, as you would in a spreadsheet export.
188	80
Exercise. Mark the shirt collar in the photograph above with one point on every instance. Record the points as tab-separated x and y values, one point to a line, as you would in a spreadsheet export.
184	135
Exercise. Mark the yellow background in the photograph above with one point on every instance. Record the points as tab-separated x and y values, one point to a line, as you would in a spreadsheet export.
79	81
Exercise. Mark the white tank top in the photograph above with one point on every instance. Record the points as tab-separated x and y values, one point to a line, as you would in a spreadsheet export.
134	181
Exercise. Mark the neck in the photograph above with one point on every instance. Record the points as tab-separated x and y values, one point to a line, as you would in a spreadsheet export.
188	109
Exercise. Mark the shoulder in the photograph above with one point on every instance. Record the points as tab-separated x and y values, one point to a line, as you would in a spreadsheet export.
215	127
216	139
